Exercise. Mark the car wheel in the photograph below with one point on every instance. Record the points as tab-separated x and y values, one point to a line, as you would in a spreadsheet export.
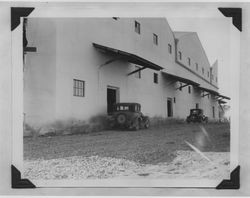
146	123
136	125
121	119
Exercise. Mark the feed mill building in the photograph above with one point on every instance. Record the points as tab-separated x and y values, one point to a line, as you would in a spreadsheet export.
77	68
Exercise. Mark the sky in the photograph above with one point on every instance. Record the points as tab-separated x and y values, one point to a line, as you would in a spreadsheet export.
214	35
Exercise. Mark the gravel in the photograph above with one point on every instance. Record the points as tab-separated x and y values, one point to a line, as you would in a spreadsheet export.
187	164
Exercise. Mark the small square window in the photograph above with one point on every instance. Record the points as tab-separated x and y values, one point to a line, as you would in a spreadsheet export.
155	39
156	78
189	61
79	88
197	66
138	73
180	55
137	27
169	49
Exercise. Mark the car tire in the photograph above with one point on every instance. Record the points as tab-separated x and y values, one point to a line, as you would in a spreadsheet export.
121	119
136	126
146	123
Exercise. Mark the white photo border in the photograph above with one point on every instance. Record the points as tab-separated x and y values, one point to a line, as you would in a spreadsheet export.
47	10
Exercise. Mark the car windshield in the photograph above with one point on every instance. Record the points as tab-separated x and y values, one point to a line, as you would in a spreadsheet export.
195	111
122	107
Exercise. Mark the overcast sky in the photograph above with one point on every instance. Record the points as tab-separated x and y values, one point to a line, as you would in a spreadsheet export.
214	36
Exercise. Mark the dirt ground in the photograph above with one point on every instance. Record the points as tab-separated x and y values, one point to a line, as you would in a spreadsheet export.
178	150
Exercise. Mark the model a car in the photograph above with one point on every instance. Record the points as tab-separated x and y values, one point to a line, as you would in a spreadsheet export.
129	116
196	115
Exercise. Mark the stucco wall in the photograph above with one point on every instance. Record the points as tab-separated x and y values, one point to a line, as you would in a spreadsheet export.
65	52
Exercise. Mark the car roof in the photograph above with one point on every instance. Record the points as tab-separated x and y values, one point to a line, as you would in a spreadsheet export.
128	103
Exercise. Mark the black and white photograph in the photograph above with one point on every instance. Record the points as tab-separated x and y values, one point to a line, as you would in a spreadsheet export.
128	100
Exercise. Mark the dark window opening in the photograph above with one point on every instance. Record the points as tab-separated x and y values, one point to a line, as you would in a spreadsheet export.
156	78
197	105
170	107
180	55
169	49
137	27
189	61
174	100
202	70
197	67
189	89
155	39
213	112
208	74
79	88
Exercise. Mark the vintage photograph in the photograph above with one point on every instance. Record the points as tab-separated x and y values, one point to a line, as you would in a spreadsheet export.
126	98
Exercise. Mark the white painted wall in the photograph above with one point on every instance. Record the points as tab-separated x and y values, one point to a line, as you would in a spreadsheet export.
65	52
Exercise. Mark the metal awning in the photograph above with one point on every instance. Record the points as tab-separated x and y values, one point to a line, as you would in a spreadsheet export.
224	97
180	79
132	58
209	91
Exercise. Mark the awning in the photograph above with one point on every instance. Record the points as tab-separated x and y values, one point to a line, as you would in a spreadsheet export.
132	58
224	97
180	79
209	91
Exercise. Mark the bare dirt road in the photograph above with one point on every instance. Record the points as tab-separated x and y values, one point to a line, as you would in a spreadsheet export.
175	151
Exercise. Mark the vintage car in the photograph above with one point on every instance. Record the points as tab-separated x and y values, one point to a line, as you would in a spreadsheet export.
196	115
129	116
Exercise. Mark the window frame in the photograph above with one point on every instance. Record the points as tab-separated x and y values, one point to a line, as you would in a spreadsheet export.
137	27
179	55
169	48
78	88
197	66
155	39
156	79
189	61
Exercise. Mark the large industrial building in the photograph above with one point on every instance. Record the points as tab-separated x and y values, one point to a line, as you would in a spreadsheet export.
76	68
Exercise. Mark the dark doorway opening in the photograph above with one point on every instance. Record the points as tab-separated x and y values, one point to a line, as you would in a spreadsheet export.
111	99
170	107
197	105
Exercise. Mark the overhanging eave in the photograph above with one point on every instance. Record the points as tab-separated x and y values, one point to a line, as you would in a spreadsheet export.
132	58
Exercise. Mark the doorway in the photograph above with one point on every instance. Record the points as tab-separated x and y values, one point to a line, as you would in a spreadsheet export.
112	98
170	107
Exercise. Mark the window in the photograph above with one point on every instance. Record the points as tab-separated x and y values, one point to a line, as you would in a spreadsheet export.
138	73
213	112
79	88
180	55
212	76
174	100
197	67
202	70
137	27
197	105
189	61
155	39
169	49
208	74
189	89
156	78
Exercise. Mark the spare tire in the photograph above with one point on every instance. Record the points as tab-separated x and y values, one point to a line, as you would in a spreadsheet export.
121	118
